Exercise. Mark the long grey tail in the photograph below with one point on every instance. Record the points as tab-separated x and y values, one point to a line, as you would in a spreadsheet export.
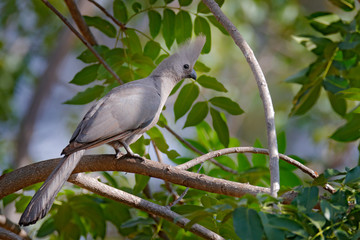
43	199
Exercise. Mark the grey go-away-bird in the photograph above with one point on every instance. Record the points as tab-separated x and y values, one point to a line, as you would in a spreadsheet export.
118	119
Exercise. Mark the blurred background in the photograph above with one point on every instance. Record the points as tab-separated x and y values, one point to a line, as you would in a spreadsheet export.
38	59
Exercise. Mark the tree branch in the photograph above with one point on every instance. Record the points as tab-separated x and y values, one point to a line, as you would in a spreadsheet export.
225	151
263	89
38	172
117	22
104	190
194	149
80	22
12	227
87	44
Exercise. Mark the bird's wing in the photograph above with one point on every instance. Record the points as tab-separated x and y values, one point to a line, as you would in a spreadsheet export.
123	110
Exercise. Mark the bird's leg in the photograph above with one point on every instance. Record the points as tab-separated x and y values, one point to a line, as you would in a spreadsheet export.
129	152
116	145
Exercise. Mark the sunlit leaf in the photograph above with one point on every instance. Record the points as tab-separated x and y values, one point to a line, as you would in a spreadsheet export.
220	127
86	96
201	26
152	49
211	82
102	25
154	22
183	26
185	99
168	27
197	114
86	75
227	104
120	11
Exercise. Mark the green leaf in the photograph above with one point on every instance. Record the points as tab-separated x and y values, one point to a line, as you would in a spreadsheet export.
117	214
202	27
259	160
220	127
136	7
168	1
9	198
86	75
208	201
154	22
299	77
101	24
202	8
152	1
271	232
346	5
133	41
46	228
353	176
338	104
351	94
185	3
140	183
88	57
183	26
307	199
152	49
335	84
22	203
197	114
286	224
168	27
160	142
201	67
349	132
289	179
185	99
138	221
86	96
120	11
247	224
218	25
227	104
305	99
243	162
212	83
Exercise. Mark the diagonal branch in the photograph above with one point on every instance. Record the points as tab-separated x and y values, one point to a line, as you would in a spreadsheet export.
80	22
194	149
13	228
263	89
117	22
87	44
104	190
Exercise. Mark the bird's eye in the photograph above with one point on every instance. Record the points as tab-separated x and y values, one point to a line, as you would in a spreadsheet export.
186	66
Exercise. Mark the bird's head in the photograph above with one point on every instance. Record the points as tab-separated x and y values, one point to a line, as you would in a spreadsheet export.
180	65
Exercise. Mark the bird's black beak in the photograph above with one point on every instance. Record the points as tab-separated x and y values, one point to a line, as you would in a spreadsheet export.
192	75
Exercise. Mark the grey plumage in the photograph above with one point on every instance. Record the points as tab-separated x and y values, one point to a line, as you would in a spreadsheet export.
118	119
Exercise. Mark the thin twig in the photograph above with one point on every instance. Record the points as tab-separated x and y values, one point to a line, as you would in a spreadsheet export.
263	90
117	22
87	44
160	160
225	151
194	149
104	190
80	22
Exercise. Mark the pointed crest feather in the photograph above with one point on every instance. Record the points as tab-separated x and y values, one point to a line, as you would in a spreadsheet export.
192	49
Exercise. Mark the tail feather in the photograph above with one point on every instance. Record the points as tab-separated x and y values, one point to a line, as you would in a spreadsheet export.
43	199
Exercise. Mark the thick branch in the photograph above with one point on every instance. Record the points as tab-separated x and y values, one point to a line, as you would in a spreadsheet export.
104	190
263	89
87	44
80	22
38	172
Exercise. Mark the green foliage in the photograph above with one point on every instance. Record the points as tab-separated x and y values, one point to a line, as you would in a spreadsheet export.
335	69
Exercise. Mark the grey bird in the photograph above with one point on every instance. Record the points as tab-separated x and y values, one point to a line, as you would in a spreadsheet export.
118	119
